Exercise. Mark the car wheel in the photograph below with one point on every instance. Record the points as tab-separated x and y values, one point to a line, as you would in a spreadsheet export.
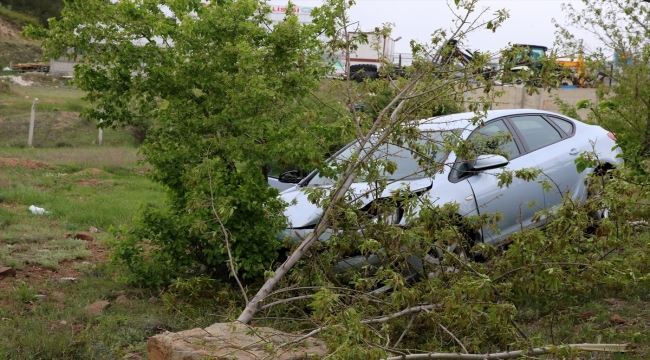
595	187
434	262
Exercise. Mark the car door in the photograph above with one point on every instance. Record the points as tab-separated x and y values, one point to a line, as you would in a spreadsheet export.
514	205
549	148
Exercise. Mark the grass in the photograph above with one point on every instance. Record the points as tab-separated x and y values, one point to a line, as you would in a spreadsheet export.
13	47
594	322
58	123
18	52
57	327
16	18
44	318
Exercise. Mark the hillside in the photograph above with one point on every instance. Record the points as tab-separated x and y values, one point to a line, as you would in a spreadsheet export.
39	10
13	46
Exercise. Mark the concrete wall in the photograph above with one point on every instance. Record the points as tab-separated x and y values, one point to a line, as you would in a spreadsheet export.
62	68
515	97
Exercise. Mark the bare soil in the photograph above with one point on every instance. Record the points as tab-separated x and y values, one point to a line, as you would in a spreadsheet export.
23	163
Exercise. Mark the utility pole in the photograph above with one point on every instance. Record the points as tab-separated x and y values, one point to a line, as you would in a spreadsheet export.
32	119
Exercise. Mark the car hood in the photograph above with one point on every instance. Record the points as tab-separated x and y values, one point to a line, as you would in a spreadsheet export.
301	213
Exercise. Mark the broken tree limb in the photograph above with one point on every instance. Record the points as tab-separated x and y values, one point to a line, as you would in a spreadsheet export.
347	179
287	300
515	354
377	320
407	311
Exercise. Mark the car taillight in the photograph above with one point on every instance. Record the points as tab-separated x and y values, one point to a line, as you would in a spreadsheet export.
611	135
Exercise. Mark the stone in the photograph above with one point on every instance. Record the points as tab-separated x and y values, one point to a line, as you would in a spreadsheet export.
93	229
232	341
67	279
40	297
7	271
617	319
84	236
122	300
97	308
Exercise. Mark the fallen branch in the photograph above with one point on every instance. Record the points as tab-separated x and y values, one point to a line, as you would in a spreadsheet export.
377	320
287	300
455	338
515	354
406	311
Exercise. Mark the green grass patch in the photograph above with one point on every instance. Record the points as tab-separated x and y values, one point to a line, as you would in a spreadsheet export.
18	52
57	327
16	18
57	120
43	317
77	194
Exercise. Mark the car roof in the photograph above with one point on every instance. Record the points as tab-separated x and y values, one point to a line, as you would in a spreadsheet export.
469	120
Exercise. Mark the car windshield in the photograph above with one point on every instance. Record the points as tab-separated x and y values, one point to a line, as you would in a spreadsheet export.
408	164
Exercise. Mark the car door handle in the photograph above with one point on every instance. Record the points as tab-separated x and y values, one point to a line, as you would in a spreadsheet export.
574	151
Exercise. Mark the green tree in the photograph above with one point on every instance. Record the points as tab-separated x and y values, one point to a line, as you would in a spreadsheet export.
623	30
223	93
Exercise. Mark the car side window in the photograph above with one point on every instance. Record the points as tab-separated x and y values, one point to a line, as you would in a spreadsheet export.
535	131
565	125
494	138
491	138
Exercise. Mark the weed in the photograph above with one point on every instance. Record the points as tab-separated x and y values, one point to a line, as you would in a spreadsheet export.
24	293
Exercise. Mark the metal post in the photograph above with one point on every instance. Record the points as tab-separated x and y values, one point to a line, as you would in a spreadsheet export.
611	72
32	119
100	136
347	55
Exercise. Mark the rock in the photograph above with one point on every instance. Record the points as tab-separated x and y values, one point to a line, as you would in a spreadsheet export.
68	279
63	322
7	271
84	236
93	229
97	308
40	297
231	341
152	300
617	319
122	300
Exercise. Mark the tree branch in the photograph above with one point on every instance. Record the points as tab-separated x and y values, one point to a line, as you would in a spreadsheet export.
549	349
226	235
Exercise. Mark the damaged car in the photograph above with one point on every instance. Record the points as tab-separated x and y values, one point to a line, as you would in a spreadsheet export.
533	139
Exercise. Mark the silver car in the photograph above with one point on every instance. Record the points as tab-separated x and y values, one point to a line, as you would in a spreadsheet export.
531	139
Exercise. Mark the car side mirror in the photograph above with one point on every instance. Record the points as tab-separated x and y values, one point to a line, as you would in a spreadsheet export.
290	177
487	162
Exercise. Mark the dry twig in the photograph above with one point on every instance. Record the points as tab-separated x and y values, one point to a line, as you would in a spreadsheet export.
515	354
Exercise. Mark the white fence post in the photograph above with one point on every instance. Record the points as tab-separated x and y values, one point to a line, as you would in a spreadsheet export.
32	119
100	132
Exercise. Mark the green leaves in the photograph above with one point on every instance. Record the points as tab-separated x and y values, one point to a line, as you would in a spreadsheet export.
586	160
220	94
